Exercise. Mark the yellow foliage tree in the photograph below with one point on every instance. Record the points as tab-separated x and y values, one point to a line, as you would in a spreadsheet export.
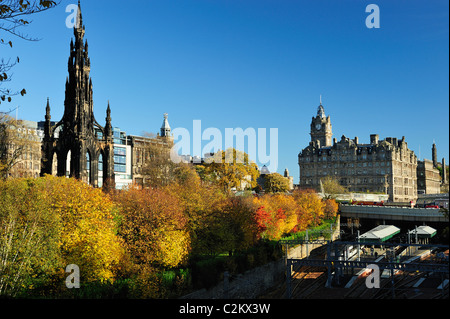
231	169
311	208
51	222
88	237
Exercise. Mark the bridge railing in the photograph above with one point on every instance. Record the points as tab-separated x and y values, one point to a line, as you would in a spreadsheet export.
390	210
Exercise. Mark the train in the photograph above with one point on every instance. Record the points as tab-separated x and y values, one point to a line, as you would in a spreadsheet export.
382	203
346	253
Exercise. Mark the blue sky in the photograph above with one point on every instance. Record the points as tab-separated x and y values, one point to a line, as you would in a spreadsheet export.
252	63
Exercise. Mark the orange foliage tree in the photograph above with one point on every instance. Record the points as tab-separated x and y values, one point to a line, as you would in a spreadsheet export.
281	214
153	227
331	208
276	215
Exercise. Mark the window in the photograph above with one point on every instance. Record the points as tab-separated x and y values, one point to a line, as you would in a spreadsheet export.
120	168
120	159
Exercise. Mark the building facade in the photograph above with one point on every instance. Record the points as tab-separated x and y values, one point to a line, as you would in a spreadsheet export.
143	148
428	178
23	149
382	166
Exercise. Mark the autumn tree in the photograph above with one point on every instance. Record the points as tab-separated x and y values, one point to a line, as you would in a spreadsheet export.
29	237
14	15
227	228
276	215
51	222
331	208
275	183
201	204
217	221
89	236
153	226
311	208
231	169
331	187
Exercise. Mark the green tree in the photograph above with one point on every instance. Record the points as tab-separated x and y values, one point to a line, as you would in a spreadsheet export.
29	237
275	183
331	187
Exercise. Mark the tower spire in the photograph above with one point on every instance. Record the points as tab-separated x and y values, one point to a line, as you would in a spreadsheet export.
108	126
47	111
47	124
78	125
165	128
78	28
79	23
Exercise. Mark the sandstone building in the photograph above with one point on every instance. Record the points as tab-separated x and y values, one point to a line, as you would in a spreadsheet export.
382	166
428	178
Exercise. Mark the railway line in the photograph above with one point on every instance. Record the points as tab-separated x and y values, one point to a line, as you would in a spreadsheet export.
310	281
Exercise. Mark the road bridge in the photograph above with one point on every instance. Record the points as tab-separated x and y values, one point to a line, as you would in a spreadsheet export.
393	213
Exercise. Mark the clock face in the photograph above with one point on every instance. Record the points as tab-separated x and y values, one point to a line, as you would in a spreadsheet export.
318	126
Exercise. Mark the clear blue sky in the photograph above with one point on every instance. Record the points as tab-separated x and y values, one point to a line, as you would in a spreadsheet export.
252	63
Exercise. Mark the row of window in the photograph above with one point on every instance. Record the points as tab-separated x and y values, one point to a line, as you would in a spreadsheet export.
119	168
343	158
28	165
324	172
345	165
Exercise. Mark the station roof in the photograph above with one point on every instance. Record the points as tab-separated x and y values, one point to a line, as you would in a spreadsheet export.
423	232
380	233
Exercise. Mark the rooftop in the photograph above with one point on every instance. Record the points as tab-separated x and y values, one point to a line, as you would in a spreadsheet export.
380	233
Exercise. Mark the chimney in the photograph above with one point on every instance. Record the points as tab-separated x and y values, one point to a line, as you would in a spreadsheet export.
374	139
434	155
444	172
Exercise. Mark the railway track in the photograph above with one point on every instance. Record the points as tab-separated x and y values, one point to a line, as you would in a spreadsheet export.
309	282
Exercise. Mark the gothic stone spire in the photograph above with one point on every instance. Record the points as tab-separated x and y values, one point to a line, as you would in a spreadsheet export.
78	126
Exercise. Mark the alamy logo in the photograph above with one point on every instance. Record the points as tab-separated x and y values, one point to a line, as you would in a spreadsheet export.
257	145
73	19
373	280
373	19
73	280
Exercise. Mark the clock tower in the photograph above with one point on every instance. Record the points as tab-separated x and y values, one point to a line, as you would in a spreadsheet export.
321	128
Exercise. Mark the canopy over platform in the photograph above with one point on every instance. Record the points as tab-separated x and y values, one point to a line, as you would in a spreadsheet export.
423	232
380	233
